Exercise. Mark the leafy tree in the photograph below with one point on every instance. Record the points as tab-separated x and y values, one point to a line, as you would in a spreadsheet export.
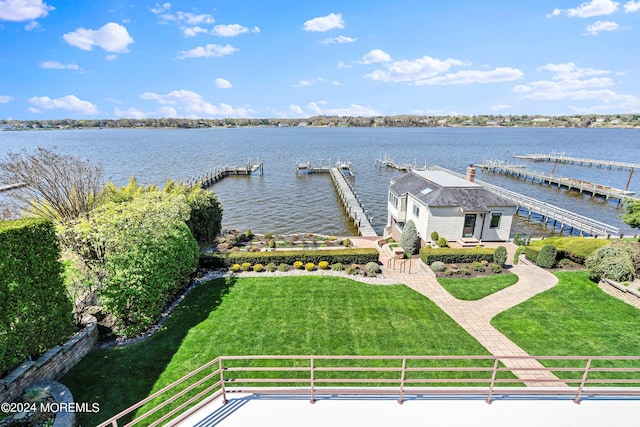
632	217
57	187
409	238
500	255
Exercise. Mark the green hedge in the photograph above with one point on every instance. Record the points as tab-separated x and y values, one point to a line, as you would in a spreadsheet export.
344	256
531	253
452	256
35	311
577	249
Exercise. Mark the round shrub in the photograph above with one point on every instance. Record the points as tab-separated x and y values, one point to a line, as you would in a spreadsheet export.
346	242
565	263
438	266
337	266
477	266
351	270
309	266
372	267
323	265
465	271
435	236
271	267
500	255
267	235
448	273
246	266
283	267
443	242
272	244
258	268
298	265
547	256
235	268
495	268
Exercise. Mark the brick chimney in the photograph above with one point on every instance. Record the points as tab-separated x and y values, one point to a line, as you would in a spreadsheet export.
471	173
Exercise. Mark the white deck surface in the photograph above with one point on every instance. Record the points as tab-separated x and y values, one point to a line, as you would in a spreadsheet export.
357	411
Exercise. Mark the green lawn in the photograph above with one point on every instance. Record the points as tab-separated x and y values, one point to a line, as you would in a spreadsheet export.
251	316
472	289
573	318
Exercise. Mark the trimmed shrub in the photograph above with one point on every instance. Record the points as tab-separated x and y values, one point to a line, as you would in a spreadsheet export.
372	268
500	255
477	266
435	236
443	242
438	266
516	256
309	266
351	270
283	267
409	238
346	242
271	267
611	262
577	249
272	244
323	265
344	256
235	268
35	311
258	268
337	266
547	256
531	253
213	260
451	256
448	272
465	271
298	265
565	262
495	268
246	266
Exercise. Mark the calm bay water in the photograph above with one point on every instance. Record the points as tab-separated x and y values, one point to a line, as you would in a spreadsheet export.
283	202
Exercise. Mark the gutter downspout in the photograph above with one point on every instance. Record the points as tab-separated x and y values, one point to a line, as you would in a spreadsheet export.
484	216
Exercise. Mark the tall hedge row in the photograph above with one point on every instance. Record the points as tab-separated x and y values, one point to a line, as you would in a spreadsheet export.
344	256
35	311
452	256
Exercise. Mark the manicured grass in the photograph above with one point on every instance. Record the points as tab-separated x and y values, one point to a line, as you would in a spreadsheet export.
251	316
472	289
574	317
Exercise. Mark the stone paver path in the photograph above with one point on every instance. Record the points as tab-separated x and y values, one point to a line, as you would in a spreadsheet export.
475	316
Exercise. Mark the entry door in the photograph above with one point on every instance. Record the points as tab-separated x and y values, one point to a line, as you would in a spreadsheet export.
469	225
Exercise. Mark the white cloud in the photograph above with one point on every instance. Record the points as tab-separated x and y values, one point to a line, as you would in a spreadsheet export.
193	31
413	71
302	83
500	107
336	83
296	109
325	23
207	51
33	25
23	10
232	30
338	40
500	74
569	70
130	113
353	110
342	65
165	16
70	103
5	99
631	6
55	65
374	56
191	104
598	26
111	37
223	84
589	9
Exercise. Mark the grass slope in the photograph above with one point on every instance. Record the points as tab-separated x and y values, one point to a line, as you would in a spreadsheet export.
472	289
250	316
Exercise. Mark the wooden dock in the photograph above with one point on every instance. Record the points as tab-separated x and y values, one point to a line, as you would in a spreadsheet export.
561	157
593	189
551	215
207	179
307	167
352	203
10	187
386	161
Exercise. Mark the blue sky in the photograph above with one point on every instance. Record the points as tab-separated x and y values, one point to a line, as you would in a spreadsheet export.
281	58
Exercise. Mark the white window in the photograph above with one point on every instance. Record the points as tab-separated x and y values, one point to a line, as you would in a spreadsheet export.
403	204
495	220
393	200
416	210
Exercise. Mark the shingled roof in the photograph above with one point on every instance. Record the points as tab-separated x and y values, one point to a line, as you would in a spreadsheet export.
440	189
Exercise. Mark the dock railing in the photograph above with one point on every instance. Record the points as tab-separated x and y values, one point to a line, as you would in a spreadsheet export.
421	376
547	210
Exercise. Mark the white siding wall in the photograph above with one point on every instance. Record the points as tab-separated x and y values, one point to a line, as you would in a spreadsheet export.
504	230
447	221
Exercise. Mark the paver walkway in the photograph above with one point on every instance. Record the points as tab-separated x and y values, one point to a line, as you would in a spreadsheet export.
475	316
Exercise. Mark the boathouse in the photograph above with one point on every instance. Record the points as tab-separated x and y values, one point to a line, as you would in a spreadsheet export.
458	209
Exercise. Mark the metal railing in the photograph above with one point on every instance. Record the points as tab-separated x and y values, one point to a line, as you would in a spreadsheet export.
312	376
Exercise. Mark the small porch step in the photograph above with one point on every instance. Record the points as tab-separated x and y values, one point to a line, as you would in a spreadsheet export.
469	242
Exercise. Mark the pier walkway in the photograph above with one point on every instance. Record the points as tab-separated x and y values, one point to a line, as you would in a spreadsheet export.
581	186
562	158
11	187
352	204
388	162
207	179
548	211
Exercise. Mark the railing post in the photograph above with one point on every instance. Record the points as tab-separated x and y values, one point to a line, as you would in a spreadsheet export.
313	377
582	381
402	377
493	380
114	423
222	387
